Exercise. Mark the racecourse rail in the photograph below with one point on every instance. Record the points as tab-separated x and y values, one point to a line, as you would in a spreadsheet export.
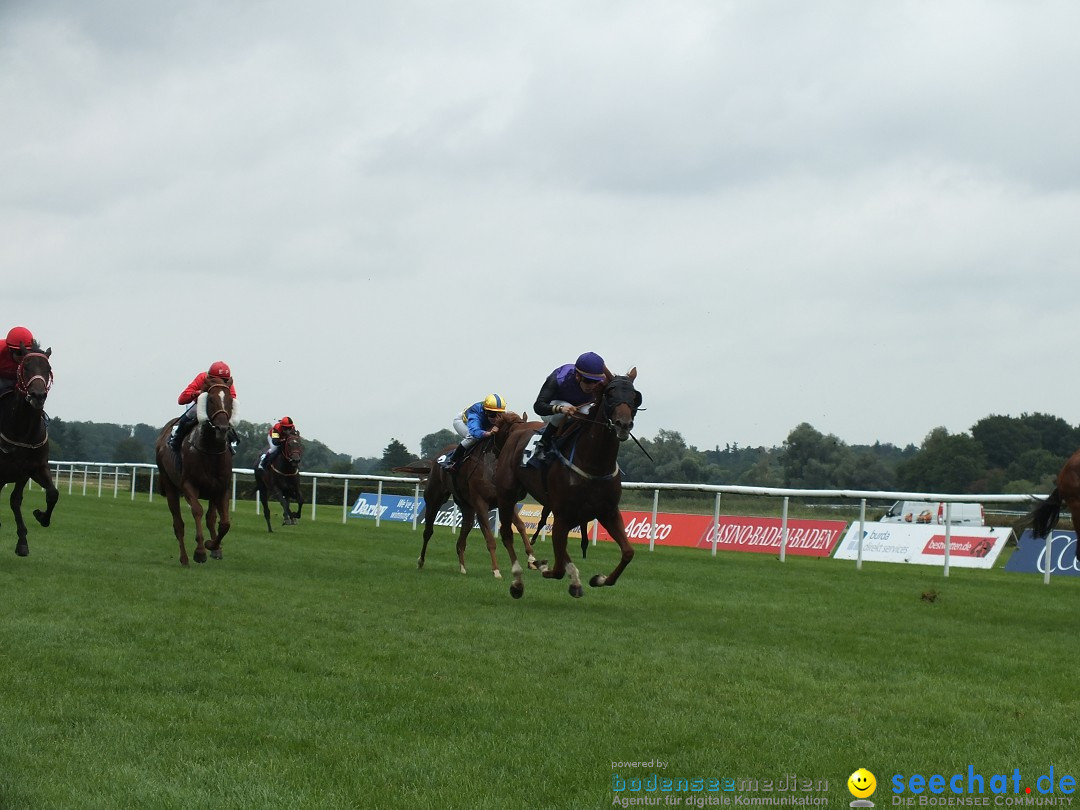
129	471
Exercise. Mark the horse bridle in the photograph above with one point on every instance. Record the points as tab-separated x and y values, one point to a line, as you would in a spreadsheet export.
22	383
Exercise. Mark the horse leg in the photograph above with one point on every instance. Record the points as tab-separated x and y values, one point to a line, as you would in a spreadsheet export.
559	531
467	517
265	503
21	547
287	518
43	479
614	525
489	537
507	512
299	504
519	525
173	498
223	526
431	511
191	495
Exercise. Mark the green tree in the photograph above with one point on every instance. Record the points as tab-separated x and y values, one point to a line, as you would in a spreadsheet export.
129	449
944	464
396	454
433	443
811	460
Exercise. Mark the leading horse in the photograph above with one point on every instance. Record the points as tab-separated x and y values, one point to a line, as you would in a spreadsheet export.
24	440
201	470
281	480
582	483
1044	517
471	485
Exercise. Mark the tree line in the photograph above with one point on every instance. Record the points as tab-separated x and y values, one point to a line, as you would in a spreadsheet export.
1000	454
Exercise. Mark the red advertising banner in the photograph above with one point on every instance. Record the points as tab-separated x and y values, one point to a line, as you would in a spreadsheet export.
959	546
815	538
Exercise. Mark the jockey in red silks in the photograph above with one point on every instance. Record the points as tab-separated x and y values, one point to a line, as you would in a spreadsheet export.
19	341
563	391
276	437
189	396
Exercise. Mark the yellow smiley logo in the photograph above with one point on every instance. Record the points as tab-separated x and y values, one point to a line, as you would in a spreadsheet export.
861	783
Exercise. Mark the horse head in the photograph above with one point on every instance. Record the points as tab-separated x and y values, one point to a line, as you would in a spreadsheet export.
619	403
34	377
292	449
216	409
504	422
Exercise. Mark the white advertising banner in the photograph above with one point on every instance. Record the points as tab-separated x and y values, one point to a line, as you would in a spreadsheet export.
969	546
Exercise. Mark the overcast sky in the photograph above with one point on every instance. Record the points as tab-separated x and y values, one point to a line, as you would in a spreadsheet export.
862	215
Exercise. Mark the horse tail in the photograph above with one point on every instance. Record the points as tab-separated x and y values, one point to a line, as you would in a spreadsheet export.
417	468
1044	517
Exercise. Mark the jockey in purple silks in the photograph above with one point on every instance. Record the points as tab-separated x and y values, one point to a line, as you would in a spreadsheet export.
563	391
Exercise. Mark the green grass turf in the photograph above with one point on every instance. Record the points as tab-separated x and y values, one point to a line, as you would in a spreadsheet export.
317	667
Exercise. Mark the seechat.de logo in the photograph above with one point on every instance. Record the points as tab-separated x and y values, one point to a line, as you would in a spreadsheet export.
862	785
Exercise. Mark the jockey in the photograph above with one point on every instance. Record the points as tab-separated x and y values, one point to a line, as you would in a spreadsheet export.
473	424
19	341
563	391
189	396
276	436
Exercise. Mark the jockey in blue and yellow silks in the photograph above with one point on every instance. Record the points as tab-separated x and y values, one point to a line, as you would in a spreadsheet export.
475	423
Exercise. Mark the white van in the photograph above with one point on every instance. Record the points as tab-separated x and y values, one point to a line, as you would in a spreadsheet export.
928	512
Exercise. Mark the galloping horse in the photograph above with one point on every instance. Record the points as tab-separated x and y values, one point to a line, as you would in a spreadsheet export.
583	482
281	478
1044	517
24	440
202	469
471	484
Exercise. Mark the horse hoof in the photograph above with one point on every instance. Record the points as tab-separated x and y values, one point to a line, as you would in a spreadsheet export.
577	591
200	557
22	549
597	580
517	590
216	553
534	565
498	574
420	563
42	518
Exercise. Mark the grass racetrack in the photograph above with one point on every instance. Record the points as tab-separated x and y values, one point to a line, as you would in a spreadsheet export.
317	667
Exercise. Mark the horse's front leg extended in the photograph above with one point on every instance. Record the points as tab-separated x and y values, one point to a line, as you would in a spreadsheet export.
21	547
613	523
44	480
507	512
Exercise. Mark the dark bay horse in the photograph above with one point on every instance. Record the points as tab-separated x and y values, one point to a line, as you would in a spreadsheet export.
1044	517
24	440
471	485
583	482
201	470
281	480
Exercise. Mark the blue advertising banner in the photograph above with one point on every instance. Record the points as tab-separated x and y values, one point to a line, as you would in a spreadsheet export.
1030	555
400	507
393	507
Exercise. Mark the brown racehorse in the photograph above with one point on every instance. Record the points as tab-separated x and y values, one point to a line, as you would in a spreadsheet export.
281	479
583	482
202	470
24	440
471	484
1044	517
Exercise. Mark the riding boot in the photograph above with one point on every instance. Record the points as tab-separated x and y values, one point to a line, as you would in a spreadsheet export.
180	429
451	459
540	452
269	456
